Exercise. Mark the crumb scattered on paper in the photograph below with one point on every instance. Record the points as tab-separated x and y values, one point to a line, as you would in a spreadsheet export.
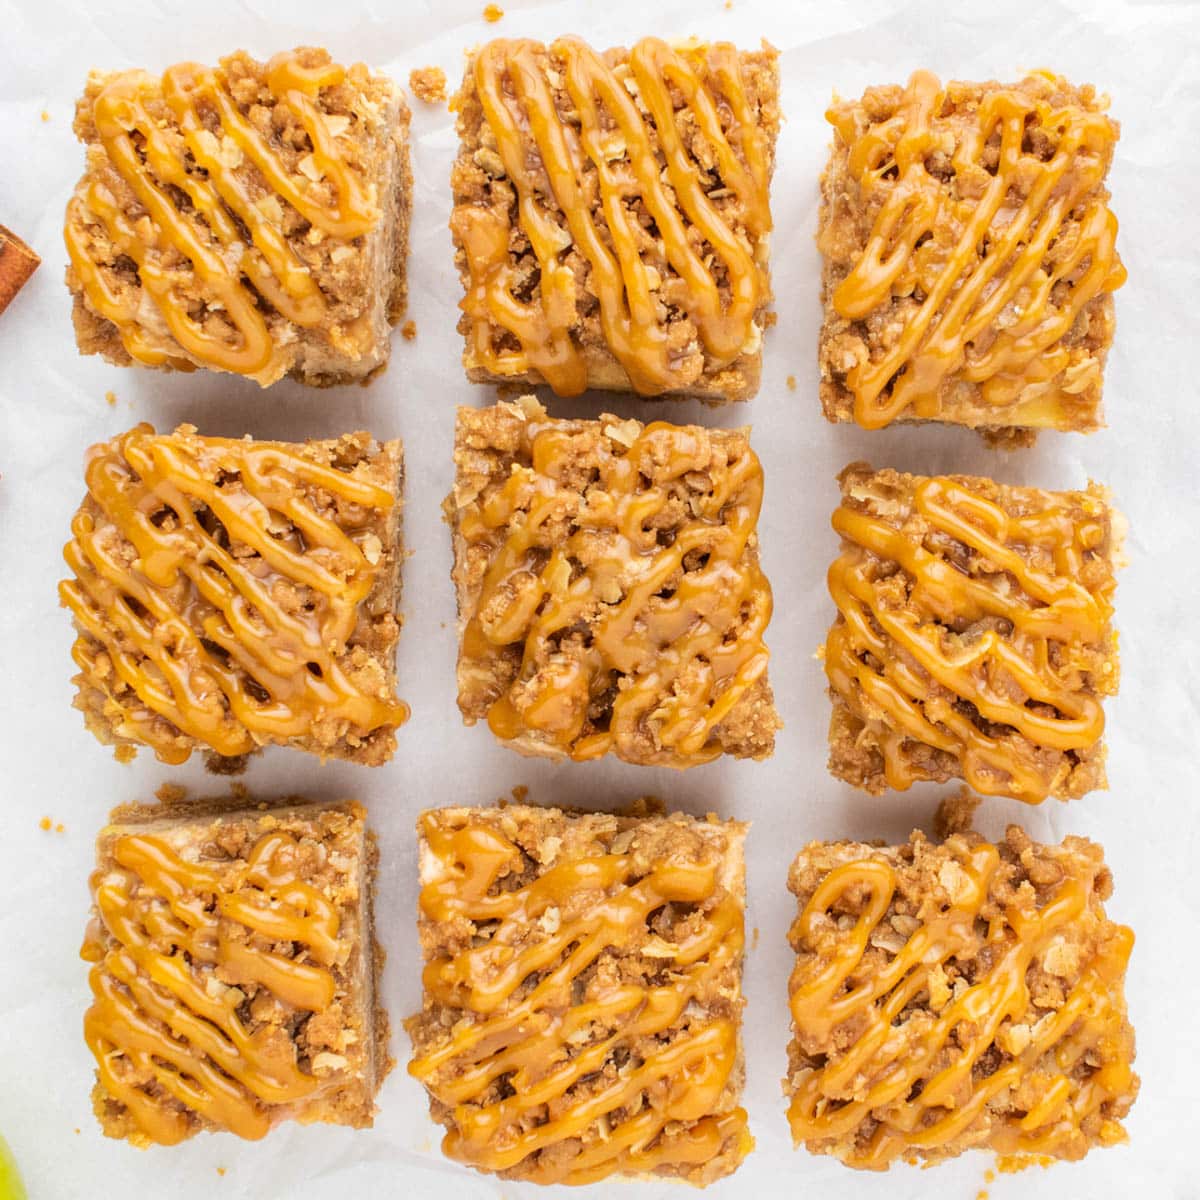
428	84
408	330
493	13
110	398
791	382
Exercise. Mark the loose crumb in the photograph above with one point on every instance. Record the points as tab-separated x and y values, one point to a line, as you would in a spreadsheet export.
125	753
493	13
1011	1164
791	382
77	1129
46	117
170	794
45	824
221	1171
728	4
982	1194
428	84
989	1176
408	331
110	398
519	793
956	813
754	938
60	828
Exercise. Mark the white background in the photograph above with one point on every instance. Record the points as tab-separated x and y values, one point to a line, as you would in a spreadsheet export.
53	406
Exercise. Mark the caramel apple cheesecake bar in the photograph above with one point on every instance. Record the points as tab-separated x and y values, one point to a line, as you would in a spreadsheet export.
969	256
228	594
955	996
582	1011
973	636
234	970
610	598
250	217
611	215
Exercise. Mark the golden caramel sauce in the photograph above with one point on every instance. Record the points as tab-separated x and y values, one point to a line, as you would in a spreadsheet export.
683	662
926	239
180	253
548	158
194	626
523	1020
881	660
875	1076
168	931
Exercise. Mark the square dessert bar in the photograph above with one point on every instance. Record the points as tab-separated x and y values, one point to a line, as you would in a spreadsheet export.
582	1011
953	996
233	971
973	638
969	256
251	217
611	215
231	593
609	592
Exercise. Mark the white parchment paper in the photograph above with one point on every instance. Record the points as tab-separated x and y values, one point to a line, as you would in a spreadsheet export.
52	406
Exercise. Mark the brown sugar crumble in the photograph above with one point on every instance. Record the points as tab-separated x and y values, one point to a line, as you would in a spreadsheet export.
305	654
609	1042
264	1001
666	293
320	188
958	311
408	331
610	596
973	637
428	84
955	996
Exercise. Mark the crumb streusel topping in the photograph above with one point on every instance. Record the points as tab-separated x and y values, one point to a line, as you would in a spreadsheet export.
974	634
227	593
958	995
970	253
582	993
614	200
609	587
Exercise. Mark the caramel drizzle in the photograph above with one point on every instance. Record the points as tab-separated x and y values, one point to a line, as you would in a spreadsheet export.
170	928
875	1076
685	661
230	275
924	239
194	629
529	1039
881	659
545	157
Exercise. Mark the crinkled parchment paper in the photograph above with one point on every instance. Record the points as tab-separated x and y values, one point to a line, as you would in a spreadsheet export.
1147	56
